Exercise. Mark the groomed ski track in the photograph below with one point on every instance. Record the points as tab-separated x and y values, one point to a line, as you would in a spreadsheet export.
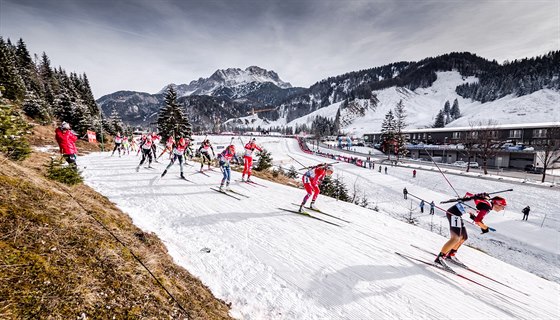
272	264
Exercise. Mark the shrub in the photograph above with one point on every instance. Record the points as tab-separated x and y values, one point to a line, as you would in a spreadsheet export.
67	174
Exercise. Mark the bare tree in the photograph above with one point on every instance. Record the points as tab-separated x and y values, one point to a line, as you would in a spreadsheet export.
551	150
488	143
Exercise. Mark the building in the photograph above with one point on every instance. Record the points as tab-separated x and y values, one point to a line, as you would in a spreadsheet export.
503	146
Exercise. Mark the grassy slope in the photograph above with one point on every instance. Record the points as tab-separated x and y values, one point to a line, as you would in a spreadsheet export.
56	261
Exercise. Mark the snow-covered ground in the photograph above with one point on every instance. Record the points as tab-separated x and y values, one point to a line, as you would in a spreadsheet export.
423	104
273	264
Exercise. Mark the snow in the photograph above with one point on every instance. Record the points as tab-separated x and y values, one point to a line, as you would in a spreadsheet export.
272	264
423	104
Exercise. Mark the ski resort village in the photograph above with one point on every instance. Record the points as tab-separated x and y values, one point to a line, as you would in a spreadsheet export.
271	160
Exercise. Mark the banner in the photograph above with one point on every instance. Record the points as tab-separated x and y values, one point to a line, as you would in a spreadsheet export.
91	136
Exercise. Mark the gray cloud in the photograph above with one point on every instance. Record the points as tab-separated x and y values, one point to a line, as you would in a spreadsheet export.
145	44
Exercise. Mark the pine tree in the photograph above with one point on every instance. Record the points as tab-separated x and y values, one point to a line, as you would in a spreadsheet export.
265	160
455	112
388	132
400	125
446	108
12	133
171	119
115	122
10	78
440	121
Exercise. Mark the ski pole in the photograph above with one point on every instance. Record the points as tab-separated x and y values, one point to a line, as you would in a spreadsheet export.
429	155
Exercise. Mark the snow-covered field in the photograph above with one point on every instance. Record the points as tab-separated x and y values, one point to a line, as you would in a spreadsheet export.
273	264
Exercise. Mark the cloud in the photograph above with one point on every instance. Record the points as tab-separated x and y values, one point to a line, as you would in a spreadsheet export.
144	45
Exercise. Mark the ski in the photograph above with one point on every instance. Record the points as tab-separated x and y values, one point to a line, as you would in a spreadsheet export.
201	172
256	183
183	178
306	214
238	193
451	271
227	194
321	212
247	183
475	272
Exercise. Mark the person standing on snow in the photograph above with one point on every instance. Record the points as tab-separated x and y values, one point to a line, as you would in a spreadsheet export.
118	144
405	193
432	207
248	159
225	158
66	140
204	150
146	147
311	181
422	206
526	212
458	232
178	153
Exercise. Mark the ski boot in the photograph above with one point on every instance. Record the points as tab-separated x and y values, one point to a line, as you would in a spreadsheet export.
182	175
249	179
221	188
312	205
227	186
243	179
164	172
455	261
300	208
137	168
440	263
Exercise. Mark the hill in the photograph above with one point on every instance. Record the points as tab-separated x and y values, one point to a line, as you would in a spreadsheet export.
69	252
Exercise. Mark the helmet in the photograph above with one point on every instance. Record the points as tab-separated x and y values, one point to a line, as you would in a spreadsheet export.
149	138
182	141
254	139
65	125
329	167
499	201
231	148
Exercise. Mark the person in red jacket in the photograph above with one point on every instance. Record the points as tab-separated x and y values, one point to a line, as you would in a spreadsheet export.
311	181
457	230
66	140
248	159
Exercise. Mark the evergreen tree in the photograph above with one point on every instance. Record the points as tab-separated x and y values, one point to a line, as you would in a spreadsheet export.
265	160
400	125
10	78
388	132
446	108
292	173
115	122
12	133
171	119
440	121
455	112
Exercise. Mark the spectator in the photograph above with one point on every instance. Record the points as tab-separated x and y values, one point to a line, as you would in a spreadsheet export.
404	191
422	206
385	169
66	139
414	173
432	207
380	169
526	212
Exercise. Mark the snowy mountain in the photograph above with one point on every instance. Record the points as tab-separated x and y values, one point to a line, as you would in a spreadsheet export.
232	83
272	264
518	92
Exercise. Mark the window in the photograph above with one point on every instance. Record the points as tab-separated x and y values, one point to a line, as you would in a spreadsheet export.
473	134
456	135
515	133
539	133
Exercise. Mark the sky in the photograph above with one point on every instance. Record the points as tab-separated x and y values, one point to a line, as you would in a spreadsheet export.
143	45
272	264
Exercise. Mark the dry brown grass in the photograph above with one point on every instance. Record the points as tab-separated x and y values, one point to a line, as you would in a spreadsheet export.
57	262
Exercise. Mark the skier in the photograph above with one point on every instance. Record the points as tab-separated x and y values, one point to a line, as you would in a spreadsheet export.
146	147
311	181
422	206
155	141
432	207
405	193
125	145
133	144
225	158
248	159
204	150
526	212
457	228
118	143
178	153
168	147
66	139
